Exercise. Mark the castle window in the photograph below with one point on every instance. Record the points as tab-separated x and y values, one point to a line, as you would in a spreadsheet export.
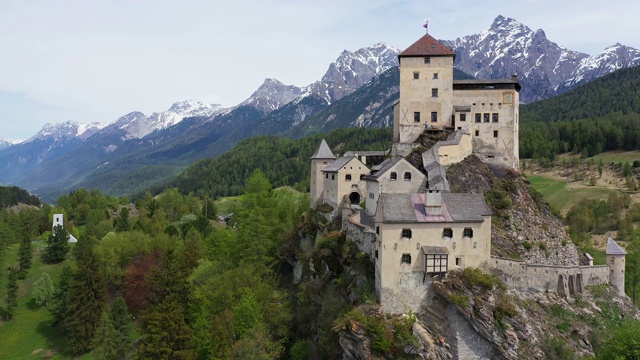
486	118
435	75
377	230
406	258
416	116
362	175
478	118
459	262
468	232
371	196
495	134
333	177
463	117
406	233
427	60
407	175
376	254
394	176
434	92
477	132
416	75
326	176
447	232
434	117
494	117
347	177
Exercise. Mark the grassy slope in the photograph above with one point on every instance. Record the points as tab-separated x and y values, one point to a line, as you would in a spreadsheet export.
560	197
618	156
30	334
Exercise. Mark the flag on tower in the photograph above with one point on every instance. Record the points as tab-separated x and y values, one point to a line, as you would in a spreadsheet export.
426	24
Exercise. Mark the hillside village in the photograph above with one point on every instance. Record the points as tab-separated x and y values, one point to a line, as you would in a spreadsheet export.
403	213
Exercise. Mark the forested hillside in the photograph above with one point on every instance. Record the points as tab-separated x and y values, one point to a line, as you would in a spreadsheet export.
12	195
600	116
284	161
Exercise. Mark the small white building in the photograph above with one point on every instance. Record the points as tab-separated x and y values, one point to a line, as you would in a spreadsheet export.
58	220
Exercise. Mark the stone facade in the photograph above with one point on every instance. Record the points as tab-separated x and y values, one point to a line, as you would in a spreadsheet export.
430	98
396	175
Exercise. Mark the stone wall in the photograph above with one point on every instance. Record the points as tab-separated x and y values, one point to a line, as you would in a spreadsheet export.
563	280
357	232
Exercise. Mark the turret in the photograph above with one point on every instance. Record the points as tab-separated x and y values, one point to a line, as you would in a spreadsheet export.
615	260
320	160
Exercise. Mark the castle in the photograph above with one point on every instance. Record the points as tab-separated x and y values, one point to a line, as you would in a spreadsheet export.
414	229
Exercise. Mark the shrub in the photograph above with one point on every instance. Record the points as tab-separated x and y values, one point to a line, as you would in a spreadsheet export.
477	277
459	299
527	245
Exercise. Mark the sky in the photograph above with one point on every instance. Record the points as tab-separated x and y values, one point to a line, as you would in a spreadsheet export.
89	60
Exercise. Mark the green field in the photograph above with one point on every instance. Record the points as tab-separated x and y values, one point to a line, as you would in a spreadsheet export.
555	192
618	156
30	334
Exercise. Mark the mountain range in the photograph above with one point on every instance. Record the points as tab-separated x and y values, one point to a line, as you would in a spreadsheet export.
358	89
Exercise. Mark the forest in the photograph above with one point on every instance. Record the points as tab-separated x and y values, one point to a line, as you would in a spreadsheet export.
602	115
163	279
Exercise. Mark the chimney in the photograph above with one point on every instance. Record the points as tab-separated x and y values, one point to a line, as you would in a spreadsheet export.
433	202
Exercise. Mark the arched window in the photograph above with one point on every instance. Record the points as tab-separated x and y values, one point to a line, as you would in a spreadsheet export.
394	176
407	175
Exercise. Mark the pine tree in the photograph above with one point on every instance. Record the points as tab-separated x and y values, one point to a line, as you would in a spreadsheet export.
122	222
165	334
57	245
12	292
105	339
25	254
60	298
43	290
86	300
121	319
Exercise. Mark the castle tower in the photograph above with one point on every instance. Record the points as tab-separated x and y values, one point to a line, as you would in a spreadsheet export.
320	160
426	89
615	260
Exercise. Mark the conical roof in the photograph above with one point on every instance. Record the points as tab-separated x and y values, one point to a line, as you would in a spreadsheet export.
323	152
613	248
427	46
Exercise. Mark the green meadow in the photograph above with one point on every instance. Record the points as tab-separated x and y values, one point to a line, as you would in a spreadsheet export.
560	197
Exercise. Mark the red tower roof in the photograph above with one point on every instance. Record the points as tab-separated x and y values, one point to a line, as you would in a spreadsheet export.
427	46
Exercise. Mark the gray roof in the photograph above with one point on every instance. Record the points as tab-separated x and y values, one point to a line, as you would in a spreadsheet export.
436	175
486	81
383	168
613	248
367	153
338	164
323	152
410	208
435	250
366	220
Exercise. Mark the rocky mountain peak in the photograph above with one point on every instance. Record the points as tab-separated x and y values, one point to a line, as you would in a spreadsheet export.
354	68
272	95
193	108
57	132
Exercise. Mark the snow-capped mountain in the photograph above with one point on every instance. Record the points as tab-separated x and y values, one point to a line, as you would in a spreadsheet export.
67	130
137	125
5	143
544	68
273	95
354	68
614	57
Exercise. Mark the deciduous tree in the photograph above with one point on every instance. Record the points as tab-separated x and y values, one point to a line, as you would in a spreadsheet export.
43	290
